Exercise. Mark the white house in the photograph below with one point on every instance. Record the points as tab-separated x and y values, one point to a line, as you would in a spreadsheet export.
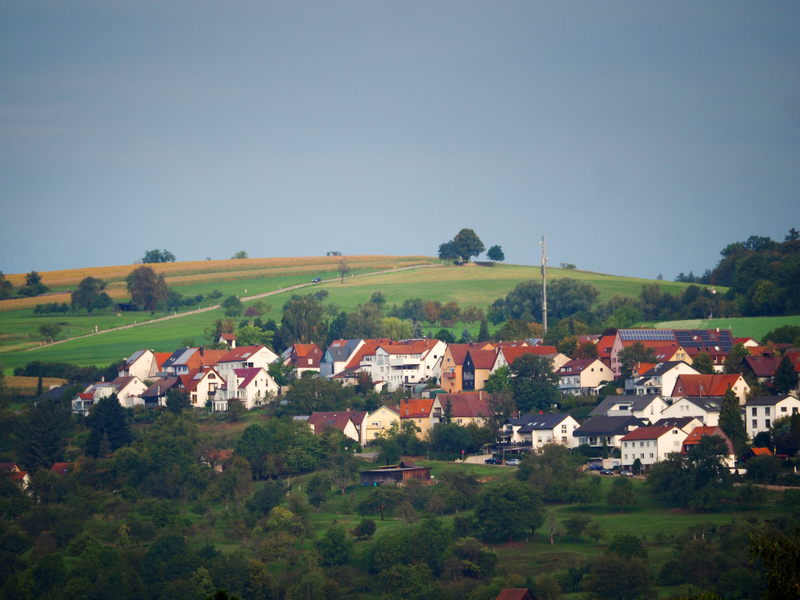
583	376
646	408
404	364
251	386
704	408
337	355
660	378
650	444
762	412
201	386
610	429
141	364
538	430
245	357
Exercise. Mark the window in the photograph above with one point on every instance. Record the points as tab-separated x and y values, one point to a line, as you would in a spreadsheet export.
766	411
641	455
626	457
766	422
783	409
651	455
754	411
755	424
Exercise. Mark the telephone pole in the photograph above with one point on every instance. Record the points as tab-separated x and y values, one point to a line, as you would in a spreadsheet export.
544	288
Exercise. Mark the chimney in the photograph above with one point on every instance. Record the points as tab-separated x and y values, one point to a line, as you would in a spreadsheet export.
201	351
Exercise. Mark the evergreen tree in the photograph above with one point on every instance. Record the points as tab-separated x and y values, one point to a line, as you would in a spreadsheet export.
42	437
39	388
108	418
483	334
731	422
785	378
448	412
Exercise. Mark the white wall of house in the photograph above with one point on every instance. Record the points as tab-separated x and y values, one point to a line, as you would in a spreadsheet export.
583	381
259	359
760	418
683	408
654	450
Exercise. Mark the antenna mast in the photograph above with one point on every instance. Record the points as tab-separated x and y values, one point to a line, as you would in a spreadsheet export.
544	288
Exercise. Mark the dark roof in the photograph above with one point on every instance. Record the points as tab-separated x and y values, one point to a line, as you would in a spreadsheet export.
647	433
767	400
762	366
679	422
536	422
636	402
179	357
663	367
340	350
607	426
160	387
712	404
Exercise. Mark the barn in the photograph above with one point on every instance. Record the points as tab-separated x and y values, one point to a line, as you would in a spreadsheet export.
395	474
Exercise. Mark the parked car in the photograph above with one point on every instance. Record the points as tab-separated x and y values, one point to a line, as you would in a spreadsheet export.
494	461
513	462
595	467
316	280
606	472
626	473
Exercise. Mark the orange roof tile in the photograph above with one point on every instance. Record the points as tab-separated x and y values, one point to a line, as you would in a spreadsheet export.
161	358
703	385
514	352
416	408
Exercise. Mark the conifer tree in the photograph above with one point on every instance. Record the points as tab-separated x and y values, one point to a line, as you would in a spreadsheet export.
785	378
108	418
731	422
483	334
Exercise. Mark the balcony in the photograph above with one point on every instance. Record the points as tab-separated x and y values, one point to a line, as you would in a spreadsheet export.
396	361
449	375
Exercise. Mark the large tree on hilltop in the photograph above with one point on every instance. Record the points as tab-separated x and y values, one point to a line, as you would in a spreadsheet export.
465	245
90	295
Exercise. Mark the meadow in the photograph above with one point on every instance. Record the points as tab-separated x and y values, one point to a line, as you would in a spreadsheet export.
755	327
20	341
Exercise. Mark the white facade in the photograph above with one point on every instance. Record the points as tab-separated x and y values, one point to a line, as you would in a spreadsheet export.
577	379
399	369
708	413
205	388
241	358
663	383
652	449
141	364
760	414
251	389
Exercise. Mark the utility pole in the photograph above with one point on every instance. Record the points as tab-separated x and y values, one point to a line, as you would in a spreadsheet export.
544	288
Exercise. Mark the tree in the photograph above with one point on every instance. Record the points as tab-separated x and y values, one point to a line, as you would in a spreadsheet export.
634	354
42	439
317	489
621	493
178	401
334	547
507	508
343	269
495	254
395	329
785	378
733	363
483	333
731	422
703	363
5	287
617	578
565	297
468	244
146	288
534	383
596	532
781	555
448	251
303	322
32	279
158	256
576	525
49	331
107	418
239	254
233	306
89	295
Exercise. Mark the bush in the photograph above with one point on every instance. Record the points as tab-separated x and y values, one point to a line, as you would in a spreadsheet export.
364	530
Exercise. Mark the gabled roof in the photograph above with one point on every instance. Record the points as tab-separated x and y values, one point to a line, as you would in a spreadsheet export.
576	365
60	468
483	359
609	426
636	403
762	366
768	400
659	369
458	352
228	337
514	352
369	347
698	433
712	404
340	350
134	357
703	385
247	375
180	357
241	353
160	387
515	594
679	422
161	358
466	404
604	346
761	451
647	433
416	409
320	420
536	422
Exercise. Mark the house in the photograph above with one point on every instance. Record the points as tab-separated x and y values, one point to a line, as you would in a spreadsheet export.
704	408
424	413
60	468
762	412
646	408
337	355
604	347
477	367
651	338
697	434
141	364
252	386
747	342
245	357
671	354
453	364
380	421
685	424
515	594
127	389
395	474
156	394
405	364
610	429
583	377
538	430
755	453
709	385
201	386
506	355
15	474
472	407
319	421
227	338
650	444
660	377
761	367
303	357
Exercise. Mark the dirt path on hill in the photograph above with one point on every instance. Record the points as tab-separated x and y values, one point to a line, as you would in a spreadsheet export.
216	306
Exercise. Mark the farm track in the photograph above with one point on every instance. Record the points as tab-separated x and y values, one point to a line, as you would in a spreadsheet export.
216	306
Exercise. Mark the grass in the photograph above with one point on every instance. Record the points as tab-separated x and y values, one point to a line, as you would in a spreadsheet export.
754	327
468	285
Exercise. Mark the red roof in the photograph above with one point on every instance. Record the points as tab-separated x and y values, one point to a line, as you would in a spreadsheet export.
703	385
239	354
699	433
576	365
368	347
604	345
60	468
646	433
470	404
459	353
247	375
513	353
762	366
320	420
515	594
761	451
483	359
416	409
161	358
228	337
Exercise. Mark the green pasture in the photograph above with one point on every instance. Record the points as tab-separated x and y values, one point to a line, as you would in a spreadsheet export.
755	327
468	285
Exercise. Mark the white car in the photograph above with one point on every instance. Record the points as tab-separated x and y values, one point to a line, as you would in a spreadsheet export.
513	462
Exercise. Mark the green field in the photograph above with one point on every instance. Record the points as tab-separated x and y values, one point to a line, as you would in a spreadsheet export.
468	285
755	327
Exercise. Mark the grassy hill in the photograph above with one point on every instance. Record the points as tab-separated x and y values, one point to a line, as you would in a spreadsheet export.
469	285
755	327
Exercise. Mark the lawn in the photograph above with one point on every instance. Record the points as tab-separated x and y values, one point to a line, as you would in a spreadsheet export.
755	327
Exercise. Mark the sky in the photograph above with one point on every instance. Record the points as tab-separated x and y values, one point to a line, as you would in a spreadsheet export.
639	138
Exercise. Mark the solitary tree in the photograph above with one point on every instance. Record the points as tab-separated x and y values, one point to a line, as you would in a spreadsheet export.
495	254
49	330
239	254
158	256
343	268
146	288
90	295
468	244
621	493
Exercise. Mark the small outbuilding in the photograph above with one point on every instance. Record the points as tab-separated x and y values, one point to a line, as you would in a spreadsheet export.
395	474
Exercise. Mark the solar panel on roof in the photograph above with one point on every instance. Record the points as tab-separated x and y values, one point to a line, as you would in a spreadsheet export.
646	335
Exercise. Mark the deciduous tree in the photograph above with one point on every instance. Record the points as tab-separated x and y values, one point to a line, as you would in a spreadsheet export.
495	254
785	378
146	288
508	508
703	363
158	256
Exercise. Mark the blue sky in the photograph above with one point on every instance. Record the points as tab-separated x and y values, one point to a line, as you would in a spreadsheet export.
640	138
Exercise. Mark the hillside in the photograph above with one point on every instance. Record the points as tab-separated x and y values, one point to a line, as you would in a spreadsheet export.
469	285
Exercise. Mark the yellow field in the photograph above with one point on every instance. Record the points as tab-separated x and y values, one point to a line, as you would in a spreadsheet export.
26	386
